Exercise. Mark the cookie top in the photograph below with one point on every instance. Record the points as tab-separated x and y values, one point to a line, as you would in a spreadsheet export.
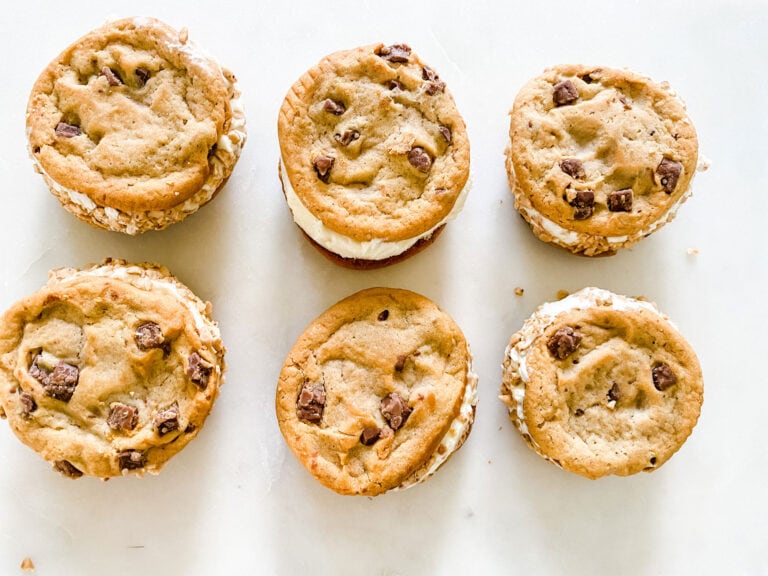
134	118
602	384
373	388
109	369
599	157
372	144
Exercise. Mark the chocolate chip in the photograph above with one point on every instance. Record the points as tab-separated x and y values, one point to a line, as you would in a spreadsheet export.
445	132
400	363
420	159
369	436
564	342
61	383
394	53
198	371
383	315
123	417
111	76
323	165
433	85
578	412
348	137
564	93
588	78
131	459
149	335
584	204
334	107
167	420
613	393
663	377
669	173
395	85
653	460
311	402
142	75
64	130
395	410
66	468
620	200
28	404
573	167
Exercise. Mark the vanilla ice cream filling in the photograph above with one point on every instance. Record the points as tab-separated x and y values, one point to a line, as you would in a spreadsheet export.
454	438
346	247
543	317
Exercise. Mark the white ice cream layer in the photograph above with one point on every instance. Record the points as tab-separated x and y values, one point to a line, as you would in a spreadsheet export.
347	247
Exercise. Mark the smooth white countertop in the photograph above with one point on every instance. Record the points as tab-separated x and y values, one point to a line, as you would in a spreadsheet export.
235	501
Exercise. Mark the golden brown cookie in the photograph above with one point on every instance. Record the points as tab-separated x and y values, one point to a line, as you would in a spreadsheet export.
600	384
377	393
110	369
374	154
133	127
599	158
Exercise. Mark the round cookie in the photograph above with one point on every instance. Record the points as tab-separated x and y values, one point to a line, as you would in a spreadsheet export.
599	158
377	393
110	369
374	155
601	384
133	127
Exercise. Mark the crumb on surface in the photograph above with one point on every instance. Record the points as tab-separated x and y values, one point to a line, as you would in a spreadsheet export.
519	291
562	294
693	251
27	565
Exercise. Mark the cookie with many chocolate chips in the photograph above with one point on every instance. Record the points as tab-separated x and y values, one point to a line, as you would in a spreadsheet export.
109	369
599	158
133	127
374	155
377	393
601	384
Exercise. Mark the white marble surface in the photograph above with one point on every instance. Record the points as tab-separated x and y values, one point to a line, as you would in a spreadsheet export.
235	501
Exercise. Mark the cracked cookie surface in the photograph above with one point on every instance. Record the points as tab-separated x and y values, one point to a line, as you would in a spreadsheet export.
377	392
602	384
109	369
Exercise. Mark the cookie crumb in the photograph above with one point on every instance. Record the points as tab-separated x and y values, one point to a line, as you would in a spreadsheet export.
183	35
562	294
693	251
519	291
27	565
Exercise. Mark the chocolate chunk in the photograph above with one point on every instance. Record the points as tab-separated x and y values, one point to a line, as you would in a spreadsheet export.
445	132
123	417
420	159
198	371
311	402
28	404
149	335
167	420
613	393
383	315
620	200
395	85
588	78
400	363
663	377
142	75
131	459
397	53
323	165
564	93
584	204
61	383
111	76
64	130
564	342
37	372
573	167
369	436
669	173
395	410
433	85
348	137
66	468
334	107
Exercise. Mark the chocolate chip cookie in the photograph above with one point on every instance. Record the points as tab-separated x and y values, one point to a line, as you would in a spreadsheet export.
110	369
133	127
600	384
374	155
377	393
599	158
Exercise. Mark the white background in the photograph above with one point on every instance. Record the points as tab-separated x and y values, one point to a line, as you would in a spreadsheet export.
235	501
